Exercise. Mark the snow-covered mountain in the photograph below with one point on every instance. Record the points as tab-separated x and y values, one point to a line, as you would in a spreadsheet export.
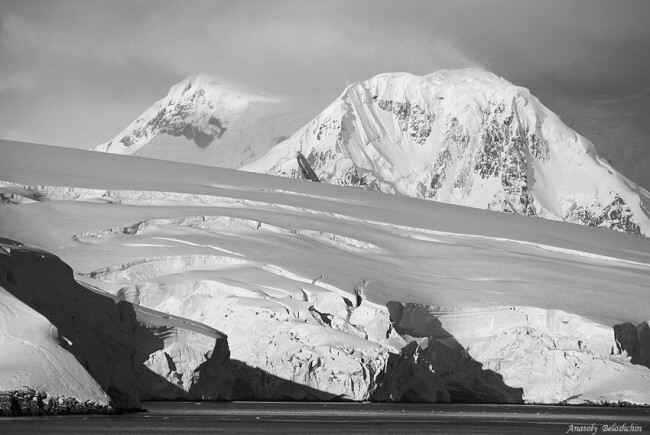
204	120
465	137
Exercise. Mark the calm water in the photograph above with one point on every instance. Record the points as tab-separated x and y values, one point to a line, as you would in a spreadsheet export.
273	417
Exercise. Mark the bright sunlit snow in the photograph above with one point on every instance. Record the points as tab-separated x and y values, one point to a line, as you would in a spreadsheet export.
465	137
456	303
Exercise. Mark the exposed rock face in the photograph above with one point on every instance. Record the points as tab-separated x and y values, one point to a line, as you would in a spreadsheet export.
132	353
29	402
465	137
614	214
414	120
635	341
306	169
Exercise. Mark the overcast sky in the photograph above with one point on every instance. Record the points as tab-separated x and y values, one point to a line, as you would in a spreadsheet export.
74	73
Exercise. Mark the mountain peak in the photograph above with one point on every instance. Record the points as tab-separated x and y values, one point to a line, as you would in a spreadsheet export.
466	137
201	109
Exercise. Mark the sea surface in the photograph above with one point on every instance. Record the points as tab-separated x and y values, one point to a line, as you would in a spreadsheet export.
356	418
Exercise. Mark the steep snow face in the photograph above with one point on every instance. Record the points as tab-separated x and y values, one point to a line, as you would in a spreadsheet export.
202	120
32	350
465	137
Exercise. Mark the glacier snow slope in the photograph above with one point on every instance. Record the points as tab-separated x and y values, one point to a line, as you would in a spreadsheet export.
481	298
465	137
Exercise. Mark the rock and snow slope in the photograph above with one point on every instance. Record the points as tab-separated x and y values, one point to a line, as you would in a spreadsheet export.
108	352
203	120
32	352
465	137
274	263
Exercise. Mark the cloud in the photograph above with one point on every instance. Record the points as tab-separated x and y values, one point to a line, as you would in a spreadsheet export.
102	62
18	82
62	36
281	45
269	43
17	135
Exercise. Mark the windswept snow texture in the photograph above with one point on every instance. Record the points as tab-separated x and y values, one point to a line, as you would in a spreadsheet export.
205	121
464	137
457	303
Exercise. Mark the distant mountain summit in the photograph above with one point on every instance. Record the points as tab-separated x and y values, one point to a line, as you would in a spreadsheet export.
203	120
465	137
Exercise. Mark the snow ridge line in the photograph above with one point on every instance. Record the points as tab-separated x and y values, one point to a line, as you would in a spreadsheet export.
519	242
543	246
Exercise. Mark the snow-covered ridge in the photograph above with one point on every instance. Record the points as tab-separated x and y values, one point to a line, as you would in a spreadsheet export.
465	137
202	111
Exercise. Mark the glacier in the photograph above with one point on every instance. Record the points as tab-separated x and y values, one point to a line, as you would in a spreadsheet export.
458	303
